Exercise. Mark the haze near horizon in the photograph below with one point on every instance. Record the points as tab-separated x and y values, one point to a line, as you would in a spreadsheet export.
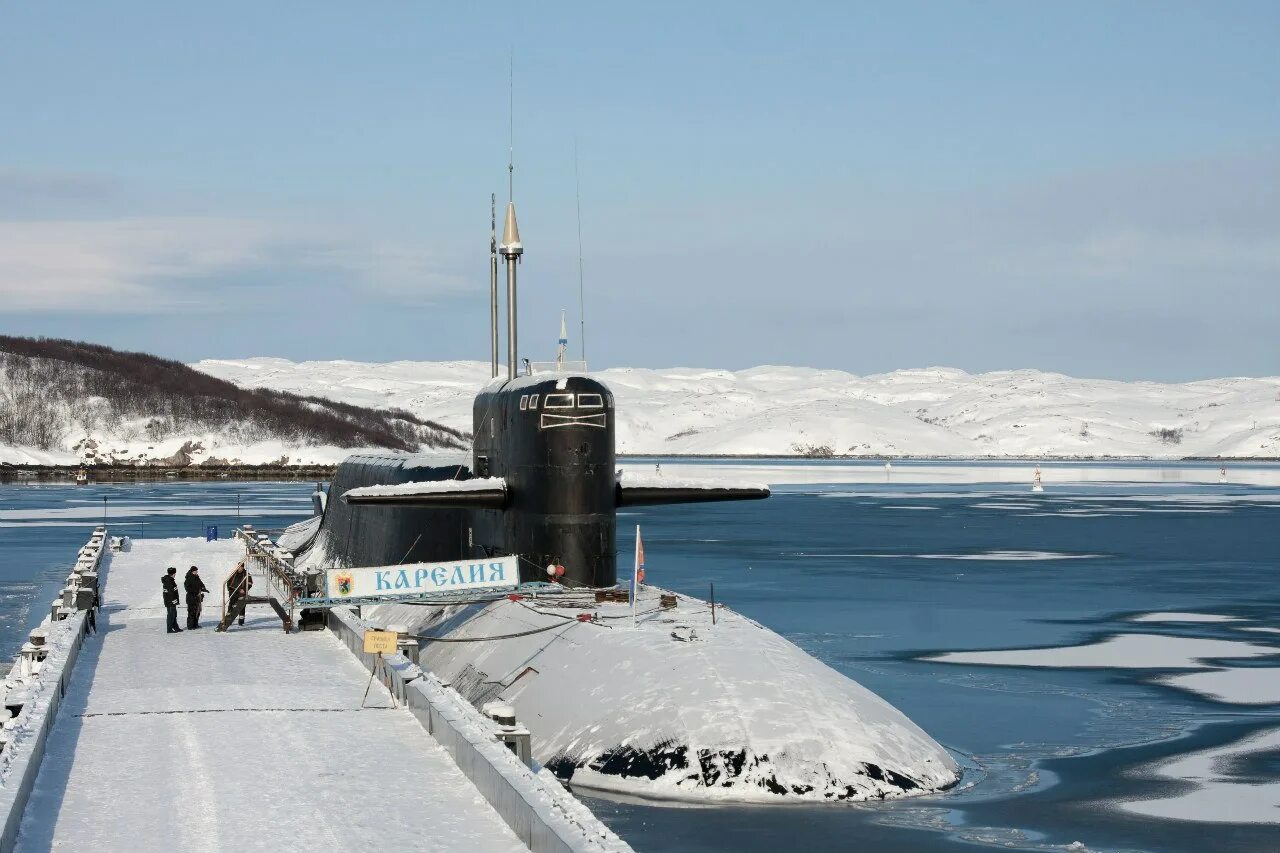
1092	190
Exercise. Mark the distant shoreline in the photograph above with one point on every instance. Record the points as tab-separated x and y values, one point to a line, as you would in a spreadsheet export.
129	473
906	457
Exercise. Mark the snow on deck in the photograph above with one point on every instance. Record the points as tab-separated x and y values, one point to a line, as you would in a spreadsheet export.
250	740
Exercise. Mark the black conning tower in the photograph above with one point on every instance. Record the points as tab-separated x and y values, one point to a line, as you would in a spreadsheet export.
551	438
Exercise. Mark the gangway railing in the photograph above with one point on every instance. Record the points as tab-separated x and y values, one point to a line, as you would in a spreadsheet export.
536	367
289	590
286	586
459	597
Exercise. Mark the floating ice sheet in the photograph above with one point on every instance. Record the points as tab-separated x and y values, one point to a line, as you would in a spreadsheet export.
1123	651
1217	796
1238	686
997	556
1176	616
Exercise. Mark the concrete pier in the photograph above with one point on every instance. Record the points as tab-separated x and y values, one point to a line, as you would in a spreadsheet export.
249	740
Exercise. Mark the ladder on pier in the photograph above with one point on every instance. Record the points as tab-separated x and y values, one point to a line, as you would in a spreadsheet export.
285	585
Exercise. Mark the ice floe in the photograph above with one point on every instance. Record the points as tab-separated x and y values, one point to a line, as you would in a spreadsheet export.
996	556
1177	616
1238	686
1122	651
1023	556
1218	796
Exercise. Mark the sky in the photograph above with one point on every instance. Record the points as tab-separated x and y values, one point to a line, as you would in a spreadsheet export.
1091	188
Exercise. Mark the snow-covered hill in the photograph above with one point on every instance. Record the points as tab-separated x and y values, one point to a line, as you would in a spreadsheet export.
68	402
791	410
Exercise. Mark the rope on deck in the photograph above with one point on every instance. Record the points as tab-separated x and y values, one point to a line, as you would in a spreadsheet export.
550	627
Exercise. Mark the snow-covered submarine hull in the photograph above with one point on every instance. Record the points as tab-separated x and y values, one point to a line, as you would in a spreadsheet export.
673	708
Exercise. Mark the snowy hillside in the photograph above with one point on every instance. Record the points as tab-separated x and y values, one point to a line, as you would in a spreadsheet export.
68	403
795	410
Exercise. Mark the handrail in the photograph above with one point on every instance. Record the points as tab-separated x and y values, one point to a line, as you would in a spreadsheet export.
536	367
285	583
464	596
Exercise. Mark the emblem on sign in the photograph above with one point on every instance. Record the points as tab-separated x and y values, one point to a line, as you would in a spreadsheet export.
345	582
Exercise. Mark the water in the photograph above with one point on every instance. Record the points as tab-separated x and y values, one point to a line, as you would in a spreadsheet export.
874	573
43	526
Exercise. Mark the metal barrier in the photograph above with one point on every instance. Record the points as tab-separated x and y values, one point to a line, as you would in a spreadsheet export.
537	367
542	814
37	682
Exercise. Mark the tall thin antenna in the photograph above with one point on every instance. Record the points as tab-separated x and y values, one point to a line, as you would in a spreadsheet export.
493	285
511	124
582	305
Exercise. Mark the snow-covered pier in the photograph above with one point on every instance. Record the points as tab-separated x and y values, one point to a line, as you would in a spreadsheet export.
255	739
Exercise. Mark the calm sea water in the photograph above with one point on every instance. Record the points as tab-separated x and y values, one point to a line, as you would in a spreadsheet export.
877	572
43	526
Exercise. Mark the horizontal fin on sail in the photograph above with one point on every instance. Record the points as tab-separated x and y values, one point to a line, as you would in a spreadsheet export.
651	490
480	492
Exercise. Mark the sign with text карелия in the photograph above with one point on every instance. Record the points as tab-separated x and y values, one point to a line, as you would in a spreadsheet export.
492	573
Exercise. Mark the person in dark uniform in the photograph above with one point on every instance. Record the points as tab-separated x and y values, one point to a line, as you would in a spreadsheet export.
238	586
195	596
170	584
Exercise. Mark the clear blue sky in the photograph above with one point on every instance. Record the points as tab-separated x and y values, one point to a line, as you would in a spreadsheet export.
1091	187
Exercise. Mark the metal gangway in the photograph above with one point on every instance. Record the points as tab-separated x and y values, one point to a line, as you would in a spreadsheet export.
285	585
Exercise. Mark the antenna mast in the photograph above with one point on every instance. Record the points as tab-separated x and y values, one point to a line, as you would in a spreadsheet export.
582	309
493	285
511	248
511	125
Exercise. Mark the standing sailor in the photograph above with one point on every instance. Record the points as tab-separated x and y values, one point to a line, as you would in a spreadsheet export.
195	596
238	585
170	584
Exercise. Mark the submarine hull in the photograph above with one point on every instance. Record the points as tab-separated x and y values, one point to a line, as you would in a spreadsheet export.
670	705
675	708
380	536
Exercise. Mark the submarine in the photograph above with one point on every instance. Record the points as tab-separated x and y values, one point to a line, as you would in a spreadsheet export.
667	699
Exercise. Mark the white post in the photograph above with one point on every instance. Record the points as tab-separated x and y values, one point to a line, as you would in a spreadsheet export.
635	578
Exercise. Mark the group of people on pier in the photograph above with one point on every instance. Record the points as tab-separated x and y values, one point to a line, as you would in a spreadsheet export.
238	585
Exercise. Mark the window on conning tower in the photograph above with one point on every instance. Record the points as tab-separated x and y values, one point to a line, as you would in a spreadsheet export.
558	401
590	401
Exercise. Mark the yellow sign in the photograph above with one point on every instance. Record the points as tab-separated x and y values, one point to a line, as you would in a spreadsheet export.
380	642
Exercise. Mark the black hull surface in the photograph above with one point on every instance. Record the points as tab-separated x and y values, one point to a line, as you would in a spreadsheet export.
386	536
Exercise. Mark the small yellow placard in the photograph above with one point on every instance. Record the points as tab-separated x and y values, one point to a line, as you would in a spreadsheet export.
380	642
